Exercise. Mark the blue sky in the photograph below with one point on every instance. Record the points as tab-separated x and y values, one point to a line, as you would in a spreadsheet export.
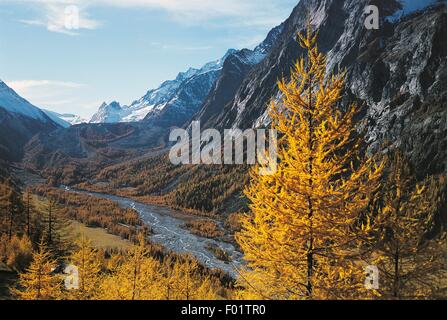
117	49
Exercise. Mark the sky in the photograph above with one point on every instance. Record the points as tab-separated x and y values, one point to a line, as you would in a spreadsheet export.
69	56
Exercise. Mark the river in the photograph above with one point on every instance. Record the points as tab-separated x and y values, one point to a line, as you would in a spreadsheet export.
168	231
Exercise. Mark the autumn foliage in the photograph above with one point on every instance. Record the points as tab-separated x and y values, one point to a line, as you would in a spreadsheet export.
306	219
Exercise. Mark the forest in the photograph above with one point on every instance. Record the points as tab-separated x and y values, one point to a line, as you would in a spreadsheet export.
35	245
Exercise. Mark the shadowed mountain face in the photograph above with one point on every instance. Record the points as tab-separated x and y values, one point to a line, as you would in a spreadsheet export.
398	72
100	144
19	122
15	132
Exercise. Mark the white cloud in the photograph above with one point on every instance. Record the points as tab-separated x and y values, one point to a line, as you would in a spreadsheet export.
243	13
62	17
21	85
49	94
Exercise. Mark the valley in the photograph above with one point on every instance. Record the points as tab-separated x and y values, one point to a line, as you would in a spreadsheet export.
167	225
168	230
376	151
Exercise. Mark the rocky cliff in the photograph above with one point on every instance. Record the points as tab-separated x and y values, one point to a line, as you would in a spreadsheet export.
398	73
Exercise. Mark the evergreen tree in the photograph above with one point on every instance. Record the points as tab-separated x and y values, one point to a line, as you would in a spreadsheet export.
11	209
16	253
183	281
55	225
29	209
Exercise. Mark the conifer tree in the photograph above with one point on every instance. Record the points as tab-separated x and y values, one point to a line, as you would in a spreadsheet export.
16	253
51	222
29	211
88	265
135	278
411	261
140	277
39	282
305	223
55	225
11	209
184	282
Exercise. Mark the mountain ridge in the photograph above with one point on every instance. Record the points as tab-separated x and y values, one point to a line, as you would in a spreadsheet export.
175	101
19	122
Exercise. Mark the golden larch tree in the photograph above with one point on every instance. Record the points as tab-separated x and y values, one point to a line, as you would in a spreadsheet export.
39	282
86	260
411	260
306	221
136	277
183	281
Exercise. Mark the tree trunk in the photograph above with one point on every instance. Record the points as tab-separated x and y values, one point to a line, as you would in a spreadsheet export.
28	216
11	222
310	253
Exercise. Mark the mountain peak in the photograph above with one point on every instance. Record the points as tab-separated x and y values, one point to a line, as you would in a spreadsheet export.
108	113
115	105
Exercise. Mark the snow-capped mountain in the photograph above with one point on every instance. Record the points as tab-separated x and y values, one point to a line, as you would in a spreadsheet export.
72	118
12	102
155	100
193	86
193	95
177	101
109	113
65	120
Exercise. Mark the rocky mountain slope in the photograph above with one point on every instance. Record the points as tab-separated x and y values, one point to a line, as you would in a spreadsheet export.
192	97
87	147
19	122
398	72
236	68
177	107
